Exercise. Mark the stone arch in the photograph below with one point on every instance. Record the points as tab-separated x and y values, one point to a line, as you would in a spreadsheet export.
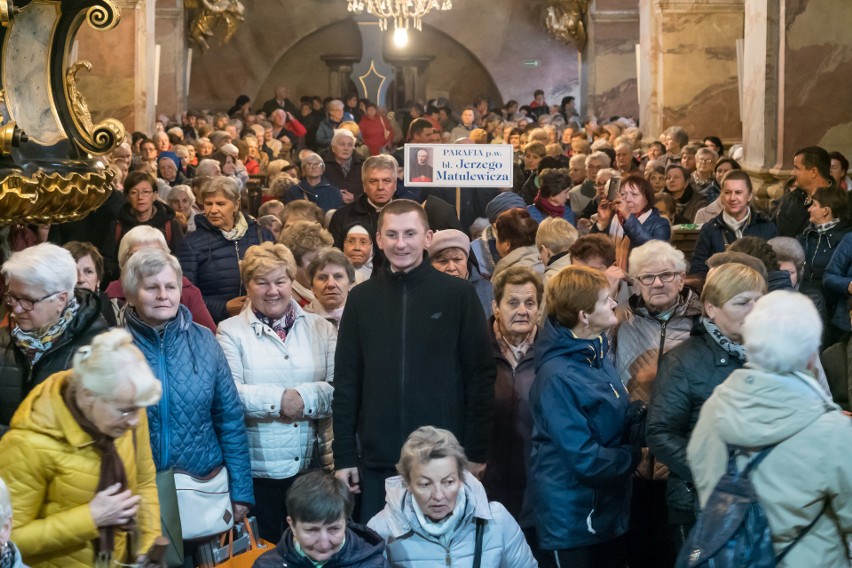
501	39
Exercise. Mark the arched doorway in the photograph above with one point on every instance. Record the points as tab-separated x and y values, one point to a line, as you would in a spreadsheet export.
448	69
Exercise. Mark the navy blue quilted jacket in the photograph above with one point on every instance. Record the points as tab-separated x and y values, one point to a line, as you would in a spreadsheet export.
212	262
205	427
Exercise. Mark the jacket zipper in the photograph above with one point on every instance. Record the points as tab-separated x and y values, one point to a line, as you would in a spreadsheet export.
237	250
402	382
165	434
663	326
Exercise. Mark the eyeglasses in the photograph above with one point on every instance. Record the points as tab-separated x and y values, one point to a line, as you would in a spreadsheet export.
649	279
313	164
25	304
140	193
705	160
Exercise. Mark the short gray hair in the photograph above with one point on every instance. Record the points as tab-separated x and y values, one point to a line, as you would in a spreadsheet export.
334	103
342	133
146	263
172	193
601	156
577	160
651	251
139	235
428	443
208	168
782	333
112	356
224	185
46	266
328	256
379	162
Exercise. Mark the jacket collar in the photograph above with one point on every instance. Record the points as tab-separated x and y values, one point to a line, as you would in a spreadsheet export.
180	323
413	276
258	327
400	515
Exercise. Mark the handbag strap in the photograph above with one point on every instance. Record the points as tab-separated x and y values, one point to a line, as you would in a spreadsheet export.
799	537
252	539
477	551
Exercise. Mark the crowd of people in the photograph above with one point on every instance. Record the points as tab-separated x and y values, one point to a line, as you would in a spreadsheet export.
538	375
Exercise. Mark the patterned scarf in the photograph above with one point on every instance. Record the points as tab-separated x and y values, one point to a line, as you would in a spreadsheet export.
731	348
514	354
7	556
36	343
239	230
282	325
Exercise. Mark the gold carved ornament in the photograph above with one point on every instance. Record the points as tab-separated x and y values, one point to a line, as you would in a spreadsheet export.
212	13
564	19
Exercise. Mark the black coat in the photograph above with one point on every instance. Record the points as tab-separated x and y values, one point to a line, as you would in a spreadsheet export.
413	350
18	376
819	248
162	220
363	549
685	380
715	236
351	181
791	215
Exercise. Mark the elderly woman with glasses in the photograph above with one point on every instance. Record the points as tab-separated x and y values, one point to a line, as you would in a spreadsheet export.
210	256
77	460
282	360
48	319
659	316
198	425
314	186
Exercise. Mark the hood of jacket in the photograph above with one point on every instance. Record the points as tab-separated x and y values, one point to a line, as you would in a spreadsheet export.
521	256
44	412
162	214
361	546
556	340
401	518
757	408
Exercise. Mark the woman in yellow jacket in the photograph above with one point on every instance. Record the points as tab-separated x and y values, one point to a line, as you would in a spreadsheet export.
78	463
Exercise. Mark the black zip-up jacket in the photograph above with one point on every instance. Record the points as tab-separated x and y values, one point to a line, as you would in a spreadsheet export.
413	350
18	376
685	380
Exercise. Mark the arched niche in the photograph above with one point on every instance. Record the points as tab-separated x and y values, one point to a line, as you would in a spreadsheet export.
454	72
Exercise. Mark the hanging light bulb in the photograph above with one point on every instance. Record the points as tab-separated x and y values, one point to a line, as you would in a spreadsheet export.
400	37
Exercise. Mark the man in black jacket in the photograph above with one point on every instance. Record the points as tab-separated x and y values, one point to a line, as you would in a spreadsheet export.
811	169
413	350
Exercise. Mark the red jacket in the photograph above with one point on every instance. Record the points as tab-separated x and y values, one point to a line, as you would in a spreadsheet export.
376	132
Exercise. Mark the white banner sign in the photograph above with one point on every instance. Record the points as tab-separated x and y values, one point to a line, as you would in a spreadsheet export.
458	165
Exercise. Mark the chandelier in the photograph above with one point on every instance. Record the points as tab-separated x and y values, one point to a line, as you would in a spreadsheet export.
404	13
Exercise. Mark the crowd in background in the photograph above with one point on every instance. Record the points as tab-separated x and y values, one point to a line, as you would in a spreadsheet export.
545	374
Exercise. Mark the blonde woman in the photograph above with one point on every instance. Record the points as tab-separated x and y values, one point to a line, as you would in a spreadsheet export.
78	460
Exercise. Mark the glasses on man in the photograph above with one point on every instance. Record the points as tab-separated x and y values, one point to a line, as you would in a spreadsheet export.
25	304
140	193
649	279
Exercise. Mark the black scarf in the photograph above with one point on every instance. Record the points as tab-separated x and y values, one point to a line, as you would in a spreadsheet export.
112	468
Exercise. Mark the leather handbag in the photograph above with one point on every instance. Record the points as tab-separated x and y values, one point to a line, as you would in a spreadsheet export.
238	548
170	517
204	503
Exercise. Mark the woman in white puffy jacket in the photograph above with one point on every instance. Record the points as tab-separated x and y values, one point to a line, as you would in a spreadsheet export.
282	360
436	507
